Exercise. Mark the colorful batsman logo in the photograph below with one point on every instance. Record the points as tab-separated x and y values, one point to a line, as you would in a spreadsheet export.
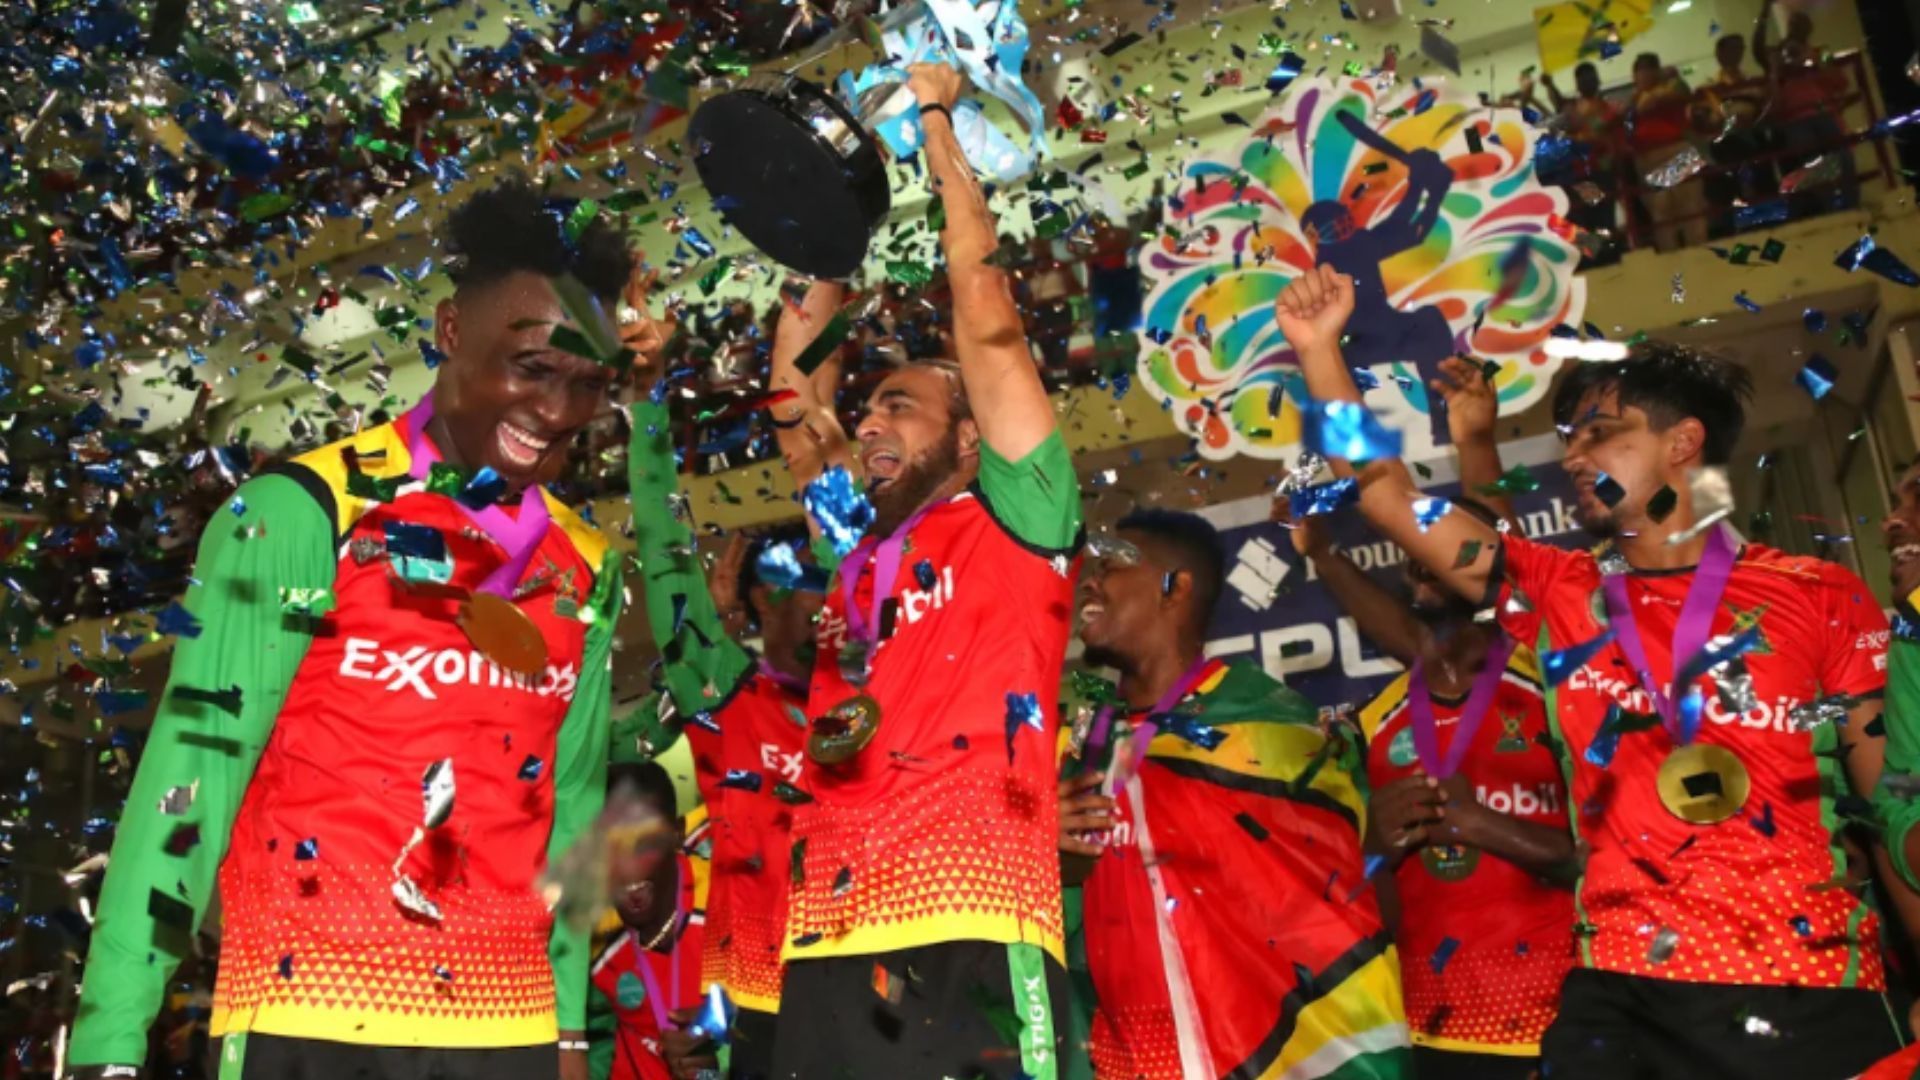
1427	198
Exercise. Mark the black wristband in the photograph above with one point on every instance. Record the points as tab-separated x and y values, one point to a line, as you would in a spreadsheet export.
936	107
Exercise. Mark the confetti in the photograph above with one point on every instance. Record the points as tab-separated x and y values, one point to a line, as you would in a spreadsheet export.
779	565
1346	430
531	768
1864	254
841	509
1559	664
307	850
1816	377
1665	943
1023	710
741	780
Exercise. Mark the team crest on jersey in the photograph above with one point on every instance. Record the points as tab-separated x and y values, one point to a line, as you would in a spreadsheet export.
1511	740
1597	607
1745	619
1400	751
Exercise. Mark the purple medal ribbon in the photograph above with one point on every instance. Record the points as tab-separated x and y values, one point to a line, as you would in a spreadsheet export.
1426	735
655	1000
780	678
885	556
1689	633
518	536
1145	731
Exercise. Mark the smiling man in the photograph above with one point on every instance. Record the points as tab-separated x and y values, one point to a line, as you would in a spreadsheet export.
1228	924
925	937
392	714
1720	931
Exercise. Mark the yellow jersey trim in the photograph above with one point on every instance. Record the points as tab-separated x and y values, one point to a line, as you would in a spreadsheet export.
933	930
362	1025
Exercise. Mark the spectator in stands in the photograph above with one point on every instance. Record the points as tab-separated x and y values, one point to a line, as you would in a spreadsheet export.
1671	192
1593	124
1728	112
1818	170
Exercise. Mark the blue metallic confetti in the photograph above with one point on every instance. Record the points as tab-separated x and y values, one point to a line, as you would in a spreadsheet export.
1608	490
307	850
1346	429
839	507
177	621
1816	376
409	540
1559	664
741	780
1442	953
1428	510
714	1022
1599	752
1323	498
531	768
779	566
1284	72
1746	302
925	574
1764	824
1023	710
483	489
1815	319
1864	254
1190	729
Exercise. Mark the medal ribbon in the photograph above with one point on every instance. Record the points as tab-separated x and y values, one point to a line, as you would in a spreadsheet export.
884	556
1426	735
1103	720
1689	632
781	679
519	537
656	1000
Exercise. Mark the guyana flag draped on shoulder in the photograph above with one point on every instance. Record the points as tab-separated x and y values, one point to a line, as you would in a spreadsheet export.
1229	929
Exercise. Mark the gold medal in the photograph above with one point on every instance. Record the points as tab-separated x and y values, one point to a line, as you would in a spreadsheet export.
845	731
1703	783
504	634
1450	862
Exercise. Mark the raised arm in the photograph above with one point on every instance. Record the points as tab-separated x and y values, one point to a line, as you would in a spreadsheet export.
1009	401
1312	312
1380	615
811	438
1762	54
701	662
1472	408
1554	95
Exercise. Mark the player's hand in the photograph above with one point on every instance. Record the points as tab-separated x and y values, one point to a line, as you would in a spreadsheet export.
639	330
1086	816
1314	308
106	1072
723	584
1459	815
687	1055
1308	534
1399	814
1472	404
573	1065
935	84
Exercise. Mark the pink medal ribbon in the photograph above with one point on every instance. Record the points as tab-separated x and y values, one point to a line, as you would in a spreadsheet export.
519	537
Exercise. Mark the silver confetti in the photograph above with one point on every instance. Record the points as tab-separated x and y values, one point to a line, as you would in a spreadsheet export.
1664	944
1612	562
1735	687
1820	711
436	791
1677	169
178	800
1712	499
408	895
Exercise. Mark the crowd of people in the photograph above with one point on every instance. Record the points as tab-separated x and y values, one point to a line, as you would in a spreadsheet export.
1644	810
1674	163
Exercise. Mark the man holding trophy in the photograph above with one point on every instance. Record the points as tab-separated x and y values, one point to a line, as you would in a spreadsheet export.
924	936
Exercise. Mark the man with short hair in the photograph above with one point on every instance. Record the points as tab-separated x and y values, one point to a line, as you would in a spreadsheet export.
1467	800
925	935
745	721
402	618
1229	928
1686	675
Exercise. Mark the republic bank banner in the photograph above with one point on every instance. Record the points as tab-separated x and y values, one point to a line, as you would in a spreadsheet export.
1300	634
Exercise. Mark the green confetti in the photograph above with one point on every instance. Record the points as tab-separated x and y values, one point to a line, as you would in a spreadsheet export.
305	601
581	218
257	208
1515	481
823	344
936	214
444	479
908	272
710	280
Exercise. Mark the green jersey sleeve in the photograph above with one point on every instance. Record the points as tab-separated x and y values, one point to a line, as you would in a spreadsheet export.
702	664
1036	499
580	787
1897	798
225	689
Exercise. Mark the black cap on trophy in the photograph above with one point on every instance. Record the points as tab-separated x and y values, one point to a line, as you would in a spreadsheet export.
792	169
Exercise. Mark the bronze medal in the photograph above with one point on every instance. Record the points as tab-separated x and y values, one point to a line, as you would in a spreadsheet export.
1703	783
504	634
1450	862
845	731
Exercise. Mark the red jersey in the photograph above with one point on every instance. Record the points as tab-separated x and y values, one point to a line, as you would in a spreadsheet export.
314	944
1749	900
763	735
619	977
1484	945
944	827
